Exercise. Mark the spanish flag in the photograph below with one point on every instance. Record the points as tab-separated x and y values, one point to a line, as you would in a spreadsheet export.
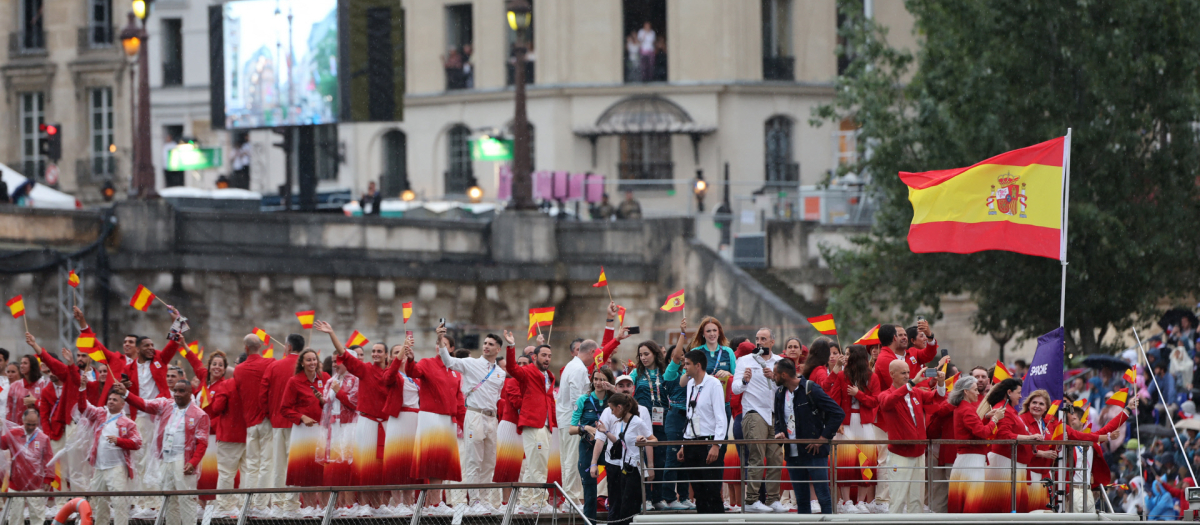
205	396
194	347
1083	420
1130	375
603	281
1119	398
674	302
621	315
406	309
824	324
1052	411
262	334
539	317
16	305
87	343
1057	433
952	379
1000	373
73	279
1011	202
306	318
269	353
1080	402
356	339
870	338
142	298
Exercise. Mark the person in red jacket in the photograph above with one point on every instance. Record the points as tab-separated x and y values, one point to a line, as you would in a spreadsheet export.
537	417
967	476
1009	426
402	408
509	450
435	452
117	364
1033	412
180	439
1093	469
274	383
338	420
59	404
301	406
247	385
903	408
228	420
856	390
30	470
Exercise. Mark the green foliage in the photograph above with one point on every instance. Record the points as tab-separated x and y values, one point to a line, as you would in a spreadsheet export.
997	75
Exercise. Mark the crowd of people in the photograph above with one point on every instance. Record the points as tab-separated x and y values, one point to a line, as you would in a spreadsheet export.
115	421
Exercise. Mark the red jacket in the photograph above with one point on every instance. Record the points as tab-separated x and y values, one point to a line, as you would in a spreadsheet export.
371	381
158	369
1036	464
509	407
901	424
1009	427
537	400
129	439
968	425
868	399
303	398
195	428
438	385
915	358
394	382
30	460
939	426
248	379
226	412
117	365
1100	472
274	383
56	413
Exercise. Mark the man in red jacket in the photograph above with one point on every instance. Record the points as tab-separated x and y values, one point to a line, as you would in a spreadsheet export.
537	418
31	455
903	408
248	380
274	383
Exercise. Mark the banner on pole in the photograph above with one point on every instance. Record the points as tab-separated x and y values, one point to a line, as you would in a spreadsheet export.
1046	369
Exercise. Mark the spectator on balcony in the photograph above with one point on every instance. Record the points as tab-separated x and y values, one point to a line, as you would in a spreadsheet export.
629	209
633	57
453	62
646	38
468	73
370	200
603	212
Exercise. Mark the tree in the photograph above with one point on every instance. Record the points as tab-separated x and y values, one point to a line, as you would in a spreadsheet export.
996	75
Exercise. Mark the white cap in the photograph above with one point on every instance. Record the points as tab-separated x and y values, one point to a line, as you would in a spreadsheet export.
623	378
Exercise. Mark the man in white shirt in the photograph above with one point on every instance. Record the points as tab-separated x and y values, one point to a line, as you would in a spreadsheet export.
116	436
572	385
705	422
181	437
482	380
755	375
3	380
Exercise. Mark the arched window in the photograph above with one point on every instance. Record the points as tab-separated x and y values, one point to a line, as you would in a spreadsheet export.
780	169
460	174
395	163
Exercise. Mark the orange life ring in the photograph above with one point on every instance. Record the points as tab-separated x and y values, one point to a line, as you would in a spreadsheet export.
80	504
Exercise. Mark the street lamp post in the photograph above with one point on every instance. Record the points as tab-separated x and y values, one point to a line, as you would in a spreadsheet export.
133	40
519	17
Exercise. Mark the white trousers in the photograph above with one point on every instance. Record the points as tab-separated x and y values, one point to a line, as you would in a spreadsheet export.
1080	495
76	472
231	457
181	510
16	511
906	486
280	444
478	450
536	442
143	462
568	453
114	479
257	473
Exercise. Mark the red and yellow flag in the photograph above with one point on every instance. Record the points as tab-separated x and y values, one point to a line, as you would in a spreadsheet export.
603	281
16	305
142	298
205	396
193	347
262	334
1119	398
621	315
1052	411
674	302
1057	433
1130	375
1011	202
824	324
406	309
306	318
85	342
1080	402
356	338
952	379
1083	420
73	279
1000	373
539	317
870	338
269	353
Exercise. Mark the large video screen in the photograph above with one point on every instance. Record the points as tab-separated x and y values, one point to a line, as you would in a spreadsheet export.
280	63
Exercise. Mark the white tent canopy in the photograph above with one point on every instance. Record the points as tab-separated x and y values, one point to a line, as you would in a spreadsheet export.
42	196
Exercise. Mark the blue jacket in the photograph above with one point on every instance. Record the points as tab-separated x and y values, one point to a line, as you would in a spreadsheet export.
817	415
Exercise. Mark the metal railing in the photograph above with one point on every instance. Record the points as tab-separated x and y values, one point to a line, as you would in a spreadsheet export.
26	43
645	175
779	68
1060	485
96	37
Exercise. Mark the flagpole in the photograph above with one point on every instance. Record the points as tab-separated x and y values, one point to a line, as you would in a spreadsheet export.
1062	254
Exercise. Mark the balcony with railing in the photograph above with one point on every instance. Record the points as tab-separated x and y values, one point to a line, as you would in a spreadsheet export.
27	43
96	38
782	174
779	68
646	175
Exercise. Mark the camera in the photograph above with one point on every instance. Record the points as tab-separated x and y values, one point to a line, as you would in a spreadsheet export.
762	350
931	372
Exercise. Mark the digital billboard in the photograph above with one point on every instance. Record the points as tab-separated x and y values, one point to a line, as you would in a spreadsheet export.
279	63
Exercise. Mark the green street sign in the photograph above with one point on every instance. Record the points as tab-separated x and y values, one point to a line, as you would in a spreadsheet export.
488	148
187	157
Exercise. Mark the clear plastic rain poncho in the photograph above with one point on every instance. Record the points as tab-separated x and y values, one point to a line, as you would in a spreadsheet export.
338	420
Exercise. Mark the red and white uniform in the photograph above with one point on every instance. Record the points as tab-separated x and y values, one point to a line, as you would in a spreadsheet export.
436	451
402	409
859	423
338	418
31	457
120	426
537	420
509	451
369	431
303	397
169	418
903	409
967	476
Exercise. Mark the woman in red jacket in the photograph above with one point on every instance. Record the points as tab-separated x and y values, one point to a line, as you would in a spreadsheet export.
856	389
302	404
998	490
338	418
510	452
821	356
1033	412
212	374
966	478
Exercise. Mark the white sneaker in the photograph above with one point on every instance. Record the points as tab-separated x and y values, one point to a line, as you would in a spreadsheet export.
926	508
881	508
778	507
662	505
677	505
649	506
758	507
861	507
846	508
691	505
814	507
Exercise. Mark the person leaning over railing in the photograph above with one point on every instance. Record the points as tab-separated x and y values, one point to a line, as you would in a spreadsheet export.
1033	412
804	411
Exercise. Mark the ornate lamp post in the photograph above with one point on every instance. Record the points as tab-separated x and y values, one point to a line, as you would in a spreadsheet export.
133	40
519	18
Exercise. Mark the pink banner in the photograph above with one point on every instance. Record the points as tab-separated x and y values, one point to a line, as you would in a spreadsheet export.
504	185
595	188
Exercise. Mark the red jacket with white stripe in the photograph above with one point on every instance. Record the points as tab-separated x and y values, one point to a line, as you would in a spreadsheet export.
901	423
195	426
537	400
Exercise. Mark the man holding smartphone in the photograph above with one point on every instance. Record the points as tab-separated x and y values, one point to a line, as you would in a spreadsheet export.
755	374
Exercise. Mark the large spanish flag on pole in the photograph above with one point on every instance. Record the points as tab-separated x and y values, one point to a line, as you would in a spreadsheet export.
1012	202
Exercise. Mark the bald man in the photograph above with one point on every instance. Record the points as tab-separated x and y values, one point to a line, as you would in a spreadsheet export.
903	408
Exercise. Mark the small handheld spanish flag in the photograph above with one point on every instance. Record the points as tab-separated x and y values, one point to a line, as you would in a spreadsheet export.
1080	402
73	279
1052	411
141	298
406	308
870	338
193	347
205	396
621	315
1057	433
1000	373
1119	398
306	318
539	317
1130	375
824	324
951	380
1083	420
356	338
262	334
603	281
16	305
674	302
270	351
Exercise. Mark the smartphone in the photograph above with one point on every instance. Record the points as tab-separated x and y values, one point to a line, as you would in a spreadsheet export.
920	318
945	352
931	372
442	322
407	334
635	330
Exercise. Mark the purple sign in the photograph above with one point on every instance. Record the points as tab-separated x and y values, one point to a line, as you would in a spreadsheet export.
1046	369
